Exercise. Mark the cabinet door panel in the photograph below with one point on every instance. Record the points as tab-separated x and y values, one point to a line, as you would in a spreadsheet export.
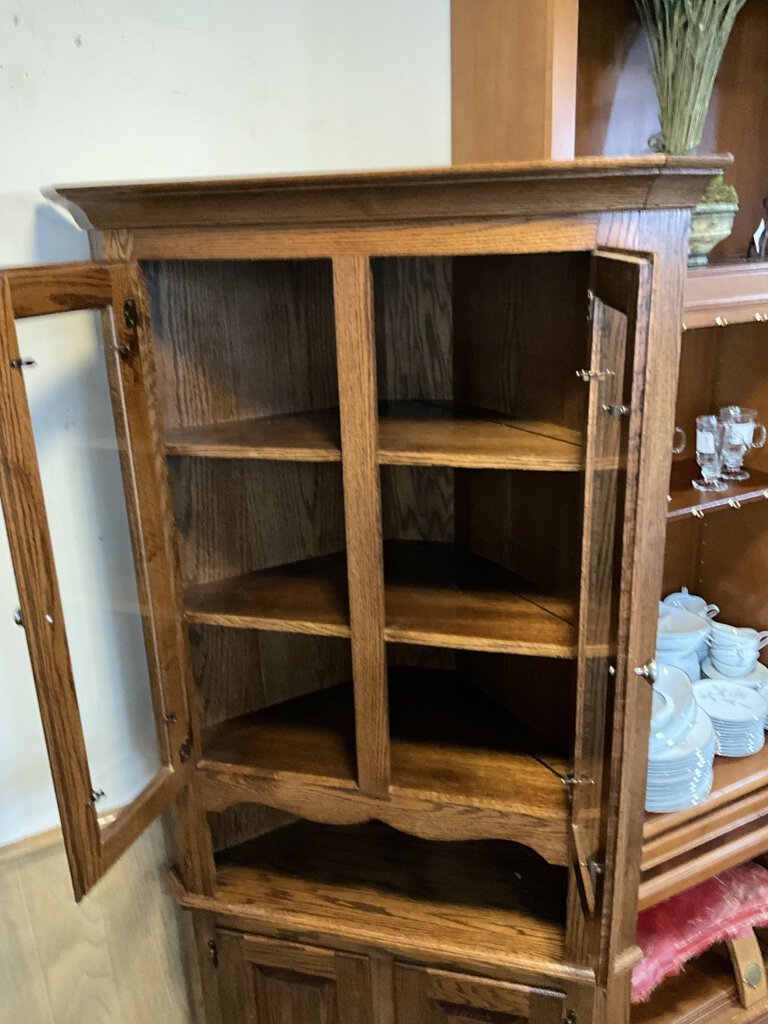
267	981
427	996
619	323
106	604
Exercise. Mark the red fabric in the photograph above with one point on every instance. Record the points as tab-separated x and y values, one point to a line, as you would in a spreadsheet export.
686	925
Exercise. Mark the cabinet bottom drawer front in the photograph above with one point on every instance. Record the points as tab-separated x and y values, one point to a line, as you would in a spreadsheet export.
424	995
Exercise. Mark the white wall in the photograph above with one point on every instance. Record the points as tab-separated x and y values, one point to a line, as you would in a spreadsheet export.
100	90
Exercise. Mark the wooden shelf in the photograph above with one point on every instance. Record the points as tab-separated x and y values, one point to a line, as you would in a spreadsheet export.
483	904
440	434
301	597
686	499
686	847
410	434
308	739
705	993
451	749
434	597
440	597
736	292
452	744
299	437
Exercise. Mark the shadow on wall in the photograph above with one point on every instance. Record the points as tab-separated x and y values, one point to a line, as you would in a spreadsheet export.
56	238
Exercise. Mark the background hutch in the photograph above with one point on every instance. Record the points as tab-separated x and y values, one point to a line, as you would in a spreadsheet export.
396	452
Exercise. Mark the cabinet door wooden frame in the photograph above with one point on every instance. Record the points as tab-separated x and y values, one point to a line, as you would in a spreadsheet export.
117	290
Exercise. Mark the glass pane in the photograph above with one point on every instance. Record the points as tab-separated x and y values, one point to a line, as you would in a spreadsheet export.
85	501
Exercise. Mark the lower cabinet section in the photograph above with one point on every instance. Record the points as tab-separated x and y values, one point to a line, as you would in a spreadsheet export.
267	981
427	996
263	981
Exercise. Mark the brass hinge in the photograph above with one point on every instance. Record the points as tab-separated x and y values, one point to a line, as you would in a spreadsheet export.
213	954
130	314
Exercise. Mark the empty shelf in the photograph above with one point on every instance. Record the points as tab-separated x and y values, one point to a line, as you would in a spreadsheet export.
440	434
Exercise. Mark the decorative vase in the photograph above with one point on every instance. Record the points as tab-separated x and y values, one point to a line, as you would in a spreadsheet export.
710	224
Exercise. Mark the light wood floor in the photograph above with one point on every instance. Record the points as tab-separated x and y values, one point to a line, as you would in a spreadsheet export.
117	958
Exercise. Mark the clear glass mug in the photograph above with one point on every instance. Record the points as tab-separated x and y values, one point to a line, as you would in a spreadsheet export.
743	433
710	436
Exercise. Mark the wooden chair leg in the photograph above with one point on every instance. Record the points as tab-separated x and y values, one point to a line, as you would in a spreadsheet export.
749	968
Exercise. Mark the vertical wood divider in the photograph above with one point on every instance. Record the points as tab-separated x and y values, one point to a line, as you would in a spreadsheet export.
356	361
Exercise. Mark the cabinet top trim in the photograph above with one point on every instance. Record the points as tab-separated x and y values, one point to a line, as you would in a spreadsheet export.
539	188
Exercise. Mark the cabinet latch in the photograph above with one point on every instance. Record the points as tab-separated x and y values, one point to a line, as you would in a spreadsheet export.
213	954
617	410
22	364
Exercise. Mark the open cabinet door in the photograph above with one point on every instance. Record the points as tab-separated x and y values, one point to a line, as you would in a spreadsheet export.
619	310
115	768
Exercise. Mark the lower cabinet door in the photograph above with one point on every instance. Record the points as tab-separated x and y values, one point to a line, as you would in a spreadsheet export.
427	996
267	981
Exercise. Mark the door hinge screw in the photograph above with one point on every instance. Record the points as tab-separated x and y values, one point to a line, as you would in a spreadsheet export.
185	750
130	313
589	375
213	954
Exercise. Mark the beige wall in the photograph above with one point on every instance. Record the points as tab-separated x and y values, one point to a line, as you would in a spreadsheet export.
116	958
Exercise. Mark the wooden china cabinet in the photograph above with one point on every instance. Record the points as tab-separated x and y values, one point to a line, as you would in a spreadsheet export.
396	452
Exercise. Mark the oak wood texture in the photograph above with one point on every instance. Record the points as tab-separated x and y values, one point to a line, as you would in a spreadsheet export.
704	993
495	234
488	903
513	80
484	558
410	434
538	188
424	995
435	434
457	757
687	501
294	437
657	316
728	828
263	979
356	356
435	595
726	293
302	597
92	851
746	954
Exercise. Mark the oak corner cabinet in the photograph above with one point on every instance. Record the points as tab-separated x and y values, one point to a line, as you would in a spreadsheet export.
395	450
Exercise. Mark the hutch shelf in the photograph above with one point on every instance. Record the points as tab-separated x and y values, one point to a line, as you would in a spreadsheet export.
396	456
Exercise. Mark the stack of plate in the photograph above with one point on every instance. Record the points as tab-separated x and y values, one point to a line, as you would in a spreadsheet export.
738	715
681	748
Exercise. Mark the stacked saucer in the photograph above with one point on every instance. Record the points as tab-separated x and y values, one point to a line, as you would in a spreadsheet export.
681	748
738	715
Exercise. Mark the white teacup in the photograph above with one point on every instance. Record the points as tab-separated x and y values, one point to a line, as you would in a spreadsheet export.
744	637
691	603
734	671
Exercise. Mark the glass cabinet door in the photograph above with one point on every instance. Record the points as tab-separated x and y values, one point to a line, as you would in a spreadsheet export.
619	305
84	493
